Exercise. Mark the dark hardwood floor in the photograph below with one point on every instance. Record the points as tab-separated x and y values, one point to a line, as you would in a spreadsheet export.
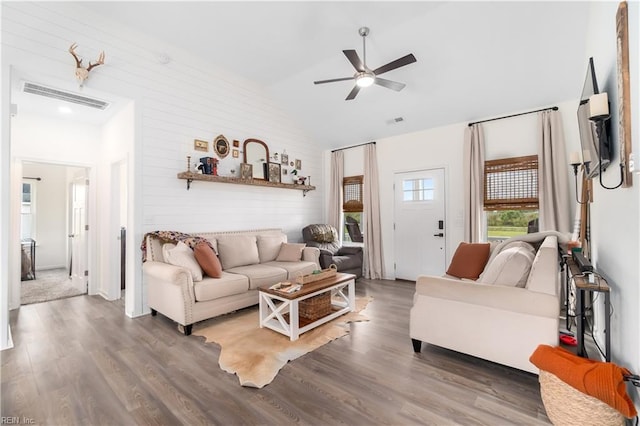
81	361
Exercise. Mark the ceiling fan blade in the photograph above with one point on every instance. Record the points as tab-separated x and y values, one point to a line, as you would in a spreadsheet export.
405	60
353	57
333	80
353	93
393	85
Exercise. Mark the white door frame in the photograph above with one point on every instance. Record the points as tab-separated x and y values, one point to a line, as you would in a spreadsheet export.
447	220
14	207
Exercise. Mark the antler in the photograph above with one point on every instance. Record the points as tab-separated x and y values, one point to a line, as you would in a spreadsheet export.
72	50
100	61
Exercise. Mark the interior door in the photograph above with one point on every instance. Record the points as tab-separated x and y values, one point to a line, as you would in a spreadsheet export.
419	227
78	235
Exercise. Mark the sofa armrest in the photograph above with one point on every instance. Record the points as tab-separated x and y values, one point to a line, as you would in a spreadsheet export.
167	272
507	298
544	276
311	254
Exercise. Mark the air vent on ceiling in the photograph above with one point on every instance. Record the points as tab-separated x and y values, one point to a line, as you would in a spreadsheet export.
37	89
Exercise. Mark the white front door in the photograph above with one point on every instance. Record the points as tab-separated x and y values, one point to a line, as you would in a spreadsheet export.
419	227
78	234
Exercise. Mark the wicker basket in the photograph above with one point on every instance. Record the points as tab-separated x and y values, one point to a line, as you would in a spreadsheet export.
315	307
323	274
566	405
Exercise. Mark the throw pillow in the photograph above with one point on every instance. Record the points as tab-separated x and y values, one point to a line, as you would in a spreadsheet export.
207	260
290	252
323	236
510	267
269	246
469	260
182	255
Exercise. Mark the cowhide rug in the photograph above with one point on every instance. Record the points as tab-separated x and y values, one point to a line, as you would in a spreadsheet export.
257	354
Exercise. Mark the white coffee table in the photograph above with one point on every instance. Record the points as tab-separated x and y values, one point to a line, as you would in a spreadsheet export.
279	311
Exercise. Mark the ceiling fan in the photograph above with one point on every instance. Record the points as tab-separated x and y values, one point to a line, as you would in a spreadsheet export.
364	76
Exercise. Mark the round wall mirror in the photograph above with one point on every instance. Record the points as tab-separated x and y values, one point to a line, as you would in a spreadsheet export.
221	146
256	153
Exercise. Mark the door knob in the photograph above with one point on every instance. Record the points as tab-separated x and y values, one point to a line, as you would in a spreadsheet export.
439	235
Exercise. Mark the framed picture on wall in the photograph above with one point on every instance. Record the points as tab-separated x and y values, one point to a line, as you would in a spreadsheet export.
221	146
200	145
624	91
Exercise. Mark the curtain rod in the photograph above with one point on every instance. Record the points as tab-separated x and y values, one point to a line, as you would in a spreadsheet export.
33	178
555	108
353	146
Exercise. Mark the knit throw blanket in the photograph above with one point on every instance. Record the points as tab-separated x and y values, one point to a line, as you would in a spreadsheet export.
601	380
171	237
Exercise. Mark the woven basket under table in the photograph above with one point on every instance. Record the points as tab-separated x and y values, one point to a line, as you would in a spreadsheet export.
568	406
315	307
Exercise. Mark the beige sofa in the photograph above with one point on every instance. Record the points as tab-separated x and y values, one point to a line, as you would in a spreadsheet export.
248	262
499	323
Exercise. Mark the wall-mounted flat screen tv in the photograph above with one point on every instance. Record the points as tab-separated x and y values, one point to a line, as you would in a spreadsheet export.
594	135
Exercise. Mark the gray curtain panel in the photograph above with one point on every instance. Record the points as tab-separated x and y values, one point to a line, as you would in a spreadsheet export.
473	164
373	264
553	174
335	191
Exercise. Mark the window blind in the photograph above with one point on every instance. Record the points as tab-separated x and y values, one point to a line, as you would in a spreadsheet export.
352	192
511	183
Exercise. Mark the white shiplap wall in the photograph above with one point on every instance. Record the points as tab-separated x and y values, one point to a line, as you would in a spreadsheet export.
176	103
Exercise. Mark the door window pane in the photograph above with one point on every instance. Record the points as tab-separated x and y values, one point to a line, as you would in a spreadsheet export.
418	189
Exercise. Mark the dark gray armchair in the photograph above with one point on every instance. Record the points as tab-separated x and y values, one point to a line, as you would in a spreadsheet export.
325	237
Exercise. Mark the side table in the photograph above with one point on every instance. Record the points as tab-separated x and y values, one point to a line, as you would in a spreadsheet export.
583	285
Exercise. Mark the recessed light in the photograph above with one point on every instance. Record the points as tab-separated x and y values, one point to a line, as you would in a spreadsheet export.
65	110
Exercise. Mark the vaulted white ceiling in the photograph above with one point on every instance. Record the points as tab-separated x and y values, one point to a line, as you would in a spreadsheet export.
474	59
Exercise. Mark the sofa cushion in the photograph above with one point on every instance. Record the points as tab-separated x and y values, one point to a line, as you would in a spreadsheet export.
215	288
345	263
510	267
181	255
260	274
238	250
207	260
290	252
295	269
269	246
469	260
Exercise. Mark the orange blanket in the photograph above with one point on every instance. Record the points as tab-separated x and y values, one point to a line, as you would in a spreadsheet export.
601	380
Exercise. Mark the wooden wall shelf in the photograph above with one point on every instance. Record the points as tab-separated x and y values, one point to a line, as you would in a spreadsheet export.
190	177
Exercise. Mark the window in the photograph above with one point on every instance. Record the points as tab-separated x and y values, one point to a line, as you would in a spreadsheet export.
418	190
511	196
27	211
352	208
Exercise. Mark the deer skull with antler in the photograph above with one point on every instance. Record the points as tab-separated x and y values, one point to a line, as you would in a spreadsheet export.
82	73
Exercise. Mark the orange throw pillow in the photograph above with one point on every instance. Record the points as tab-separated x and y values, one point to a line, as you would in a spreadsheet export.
469	260
207	259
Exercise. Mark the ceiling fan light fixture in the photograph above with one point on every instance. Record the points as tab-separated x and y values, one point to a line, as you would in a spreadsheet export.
365	79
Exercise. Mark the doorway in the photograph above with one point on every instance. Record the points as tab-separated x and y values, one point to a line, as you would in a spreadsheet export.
419	227
53	208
